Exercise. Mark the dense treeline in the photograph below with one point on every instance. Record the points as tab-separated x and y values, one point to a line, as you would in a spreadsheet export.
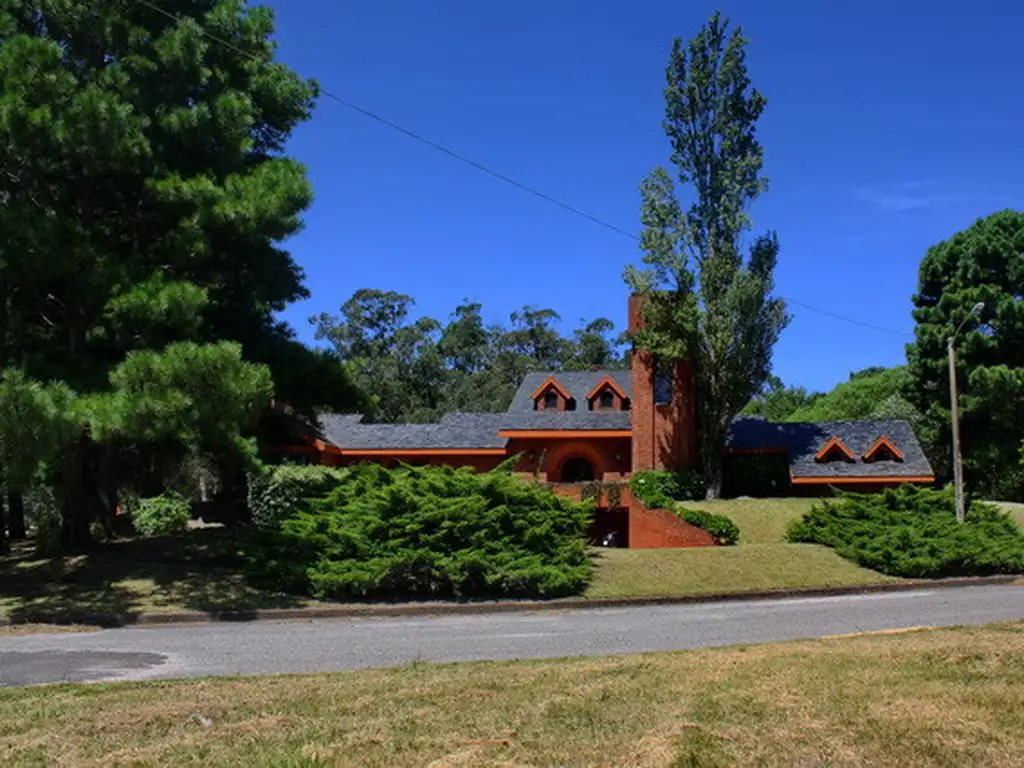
415	370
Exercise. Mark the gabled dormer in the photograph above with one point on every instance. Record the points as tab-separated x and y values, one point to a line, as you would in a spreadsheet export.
883	449
552	396
606	395
835	449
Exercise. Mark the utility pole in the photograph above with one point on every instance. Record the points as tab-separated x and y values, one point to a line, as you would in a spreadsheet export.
954	406
954	409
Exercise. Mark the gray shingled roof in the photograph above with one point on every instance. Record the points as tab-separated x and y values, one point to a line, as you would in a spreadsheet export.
556	420
803	441
454	431
576	383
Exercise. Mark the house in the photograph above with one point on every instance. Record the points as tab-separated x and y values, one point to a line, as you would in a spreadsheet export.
570	428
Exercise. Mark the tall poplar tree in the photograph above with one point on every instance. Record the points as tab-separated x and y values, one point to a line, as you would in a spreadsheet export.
707	301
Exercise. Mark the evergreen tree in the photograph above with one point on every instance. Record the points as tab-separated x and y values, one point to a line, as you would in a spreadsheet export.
705	301
984	263
146	194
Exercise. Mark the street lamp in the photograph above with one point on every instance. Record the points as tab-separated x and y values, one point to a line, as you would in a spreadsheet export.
958	467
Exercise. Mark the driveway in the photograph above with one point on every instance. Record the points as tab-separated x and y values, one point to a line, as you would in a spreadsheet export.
272	647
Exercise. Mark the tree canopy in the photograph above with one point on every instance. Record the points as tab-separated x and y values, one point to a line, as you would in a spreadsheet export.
145	196
984	263
706	300
416	369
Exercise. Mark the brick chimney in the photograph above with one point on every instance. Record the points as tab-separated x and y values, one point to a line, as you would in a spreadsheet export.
664	417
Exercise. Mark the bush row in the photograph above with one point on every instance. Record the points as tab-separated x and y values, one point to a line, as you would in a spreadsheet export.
913	532
369	533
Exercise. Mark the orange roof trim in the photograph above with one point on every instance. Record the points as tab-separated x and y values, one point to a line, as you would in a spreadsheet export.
884	480
425	452
609	382
883	444
834	444
551	383
563	433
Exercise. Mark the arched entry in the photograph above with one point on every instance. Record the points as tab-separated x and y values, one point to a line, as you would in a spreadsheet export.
576	470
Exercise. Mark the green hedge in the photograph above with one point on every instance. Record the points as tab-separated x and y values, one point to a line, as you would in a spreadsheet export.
657	490
725	531
426	533
913	532
163	515
285	490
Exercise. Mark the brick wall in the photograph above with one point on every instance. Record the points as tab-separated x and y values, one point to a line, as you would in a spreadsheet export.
661	529
664	436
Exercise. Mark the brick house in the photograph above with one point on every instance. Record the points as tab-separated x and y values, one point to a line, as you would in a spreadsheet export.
574	427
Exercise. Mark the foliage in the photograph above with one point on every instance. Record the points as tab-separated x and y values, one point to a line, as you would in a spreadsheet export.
705	300
415	370
725	531
868	394
164	515
913	532
984	263
36	420
145	194
429	532
283	491
660	489
777	402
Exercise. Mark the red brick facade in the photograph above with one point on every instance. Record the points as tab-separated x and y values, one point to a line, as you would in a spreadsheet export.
664	435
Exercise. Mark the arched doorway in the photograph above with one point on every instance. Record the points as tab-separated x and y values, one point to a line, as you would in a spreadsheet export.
576	470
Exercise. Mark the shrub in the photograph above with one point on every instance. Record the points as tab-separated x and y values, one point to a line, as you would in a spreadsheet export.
429	532
657	490
725	531
161	515
285	490
913	532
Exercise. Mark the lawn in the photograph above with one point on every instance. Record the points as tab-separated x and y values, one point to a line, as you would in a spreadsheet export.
934	697
1015	509
761	560
200	571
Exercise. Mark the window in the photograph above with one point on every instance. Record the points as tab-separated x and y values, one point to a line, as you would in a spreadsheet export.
606	399
550	399
662	384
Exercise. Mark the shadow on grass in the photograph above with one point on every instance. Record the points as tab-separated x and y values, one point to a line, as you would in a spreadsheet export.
202	570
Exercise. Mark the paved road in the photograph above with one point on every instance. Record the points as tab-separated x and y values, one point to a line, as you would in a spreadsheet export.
337	644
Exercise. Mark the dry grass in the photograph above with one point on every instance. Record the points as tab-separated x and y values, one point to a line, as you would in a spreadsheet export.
761	521
19	630
943	697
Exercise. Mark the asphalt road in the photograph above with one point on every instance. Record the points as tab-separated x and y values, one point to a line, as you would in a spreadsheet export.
267	647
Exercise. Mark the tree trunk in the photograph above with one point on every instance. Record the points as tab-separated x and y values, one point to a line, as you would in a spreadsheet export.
74	529
16	516
3	528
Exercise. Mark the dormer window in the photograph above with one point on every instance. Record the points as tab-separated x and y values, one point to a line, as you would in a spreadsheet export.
883	449
552	396
834	450
607	395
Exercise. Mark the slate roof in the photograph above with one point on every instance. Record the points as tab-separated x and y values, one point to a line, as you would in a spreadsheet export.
577	383
558	420
803	441
454	431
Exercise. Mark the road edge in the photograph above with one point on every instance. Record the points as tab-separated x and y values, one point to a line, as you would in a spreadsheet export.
389	610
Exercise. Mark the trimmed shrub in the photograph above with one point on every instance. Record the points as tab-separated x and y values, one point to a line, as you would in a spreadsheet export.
162	515
657	490
285	490
913	532
725	531
428	533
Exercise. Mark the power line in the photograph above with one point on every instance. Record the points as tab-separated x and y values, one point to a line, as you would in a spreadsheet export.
485	169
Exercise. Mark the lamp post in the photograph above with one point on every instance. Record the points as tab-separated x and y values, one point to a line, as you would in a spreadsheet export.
954	407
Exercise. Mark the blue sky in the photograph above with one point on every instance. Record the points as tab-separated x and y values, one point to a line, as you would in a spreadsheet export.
889	127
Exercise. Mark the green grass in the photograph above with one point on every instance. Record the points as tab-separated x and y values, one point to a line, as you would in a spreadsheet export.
197	571
923	698
1015	509
761	561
